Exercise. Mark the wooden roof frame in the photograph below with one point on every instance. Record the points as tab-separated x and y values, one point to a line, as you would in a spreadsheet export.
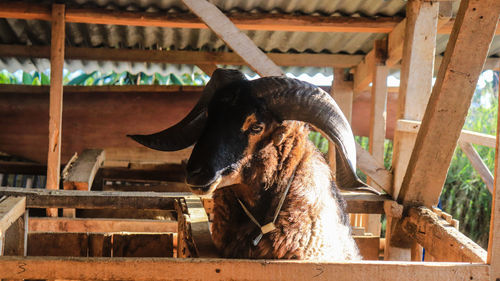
465	26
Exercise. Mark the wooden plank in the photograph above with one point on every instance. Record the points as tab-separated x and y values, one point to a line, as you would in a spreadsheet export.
16	237
439	238
228	269
244	21
142	245
448	27
100	244
378	114
445	14
363	73
56	99
368	246
81	174
99	225
465	136
42	198
478	164
11	208
494	238
418	53
342	92
233	37
372	168
178	57
395	42
57	244
449	102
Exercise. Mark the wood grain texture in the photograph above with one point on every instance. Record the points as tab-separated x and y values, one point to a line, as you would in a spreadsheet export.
99	225
449	102
239	42
441	239
82	172
11	208
56	99
226	269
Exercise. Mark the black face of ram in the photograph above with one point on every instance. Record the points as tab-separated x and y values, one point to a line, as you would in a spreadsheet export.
234	121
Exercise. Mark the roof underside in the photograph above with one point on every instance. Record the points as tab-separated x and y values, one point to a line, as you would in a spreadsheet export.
35	32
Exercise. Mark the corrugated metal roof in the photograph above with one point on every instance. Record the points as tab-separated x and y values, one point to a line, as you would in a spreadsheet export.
33	32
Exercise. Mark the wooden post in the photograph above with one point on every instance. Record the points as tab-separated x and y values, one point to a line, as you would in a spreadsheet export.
16	237
494	241
342	93
416	83
377	120
56	99
449	102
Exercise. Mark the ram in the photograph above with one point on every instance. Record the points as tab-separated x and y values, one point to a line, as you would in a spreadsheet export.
273	191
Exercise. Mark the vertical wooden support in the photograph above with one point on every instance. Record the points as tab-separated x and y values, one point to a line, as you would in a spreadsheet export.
342	93
12	225
377	120
494	241
56	99
415	88
16	237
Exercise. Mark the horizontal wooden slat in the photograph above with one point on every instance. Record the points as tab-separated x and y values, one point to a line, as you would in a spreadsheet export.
360	202
179	57
99	225
478	164
466	136
226	269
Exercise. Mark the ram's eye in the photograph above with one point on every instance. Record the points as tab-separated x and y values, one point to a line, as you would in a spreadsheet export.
256	128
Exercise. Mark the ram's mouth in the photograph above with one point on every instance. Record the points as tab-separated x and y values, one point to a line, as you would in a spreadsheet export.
205	189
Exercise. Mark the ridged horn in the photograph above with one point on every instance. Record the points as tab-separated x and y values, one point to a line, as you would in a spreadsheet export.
188	130
291	99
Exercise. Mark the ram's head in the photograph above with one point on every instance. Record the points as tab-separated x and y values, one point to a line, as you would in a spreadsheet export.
234	114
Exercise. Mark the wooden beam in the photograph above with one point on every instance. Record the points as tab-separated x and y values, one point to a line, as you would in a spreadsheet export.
395	42
208	68
376	143
233	37
11	208
448	27
494	238
42	198
363	73
413	127
16	237
478	164
99	225
56	99
81	174
227	269
449	102
419	44
179	57
442	240
372	168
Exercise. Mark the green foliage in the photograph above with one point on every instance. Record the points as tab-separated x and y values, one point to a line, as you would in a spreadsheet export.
97	78
465	195
319	141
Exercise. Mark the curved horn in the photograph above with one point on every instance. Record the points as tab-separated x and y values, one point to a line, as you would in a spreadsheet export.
188	130
291	99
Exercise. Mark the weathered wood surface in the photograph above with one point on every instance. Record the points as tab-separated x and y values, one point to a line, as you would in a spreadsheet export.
239	42
368	246
99	225
478	164
226	269
465	136
56	99
441	239
449	102
96	111
494	238
372	168
11	208
81	173
74	244
42	198
16	237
